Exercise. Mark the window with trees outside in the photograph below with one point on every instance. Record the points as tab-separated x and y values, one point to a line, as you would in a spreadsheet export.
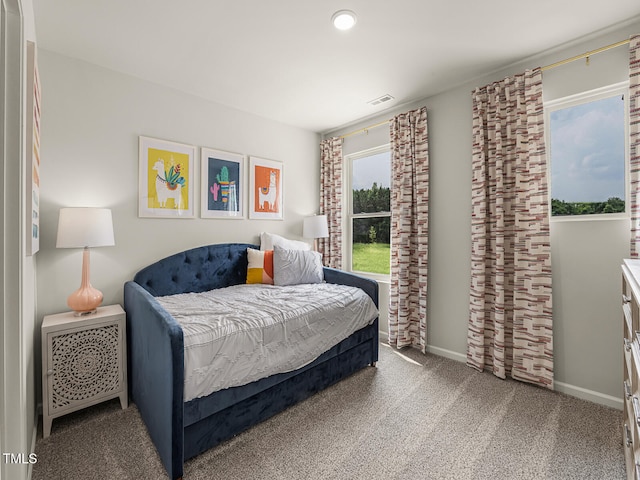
369	212
586	144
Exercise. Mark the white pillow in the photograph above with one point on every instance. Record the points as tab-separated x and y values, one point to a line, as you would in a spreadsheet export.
292	267
270	240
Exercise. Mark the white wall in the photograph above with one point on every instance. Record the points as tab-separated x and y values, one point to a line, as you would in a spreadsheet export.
17	411
91	120
586	256
30	326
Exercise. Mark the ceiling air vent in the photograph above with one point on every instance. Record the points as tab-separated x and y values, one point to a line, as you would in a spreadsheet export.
379	100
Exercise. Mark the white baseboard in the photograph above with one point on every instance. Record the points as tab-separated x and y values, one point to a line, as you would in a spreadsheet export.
590	395
34	436
578	392
442	352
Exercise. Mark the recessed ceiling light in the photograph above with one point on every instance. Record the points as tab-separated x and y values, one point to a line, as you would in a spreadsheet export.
343	19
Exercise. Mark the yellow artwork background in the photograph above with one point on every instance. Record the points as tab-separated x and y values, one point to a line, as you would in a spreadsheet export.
169	158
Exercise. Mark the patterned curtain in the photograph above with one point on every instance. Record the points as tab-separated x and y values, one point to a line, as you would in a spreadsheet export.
634	140
409	229
510	324
331	200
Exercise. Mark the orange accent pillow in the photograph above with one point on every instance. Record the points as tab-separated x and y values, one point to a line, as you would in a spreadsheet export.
259	266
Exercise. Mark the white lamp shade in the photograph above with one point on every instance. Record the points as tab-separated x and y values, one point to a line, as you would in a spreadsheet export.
315	227
85	227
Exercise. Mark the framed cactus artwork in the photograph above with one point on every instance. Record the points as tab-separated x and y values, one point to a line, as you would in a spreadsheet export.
165	178
222	179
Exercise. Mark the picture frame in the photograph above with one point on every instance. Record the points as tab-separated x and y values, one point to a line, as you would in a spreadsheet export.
34	102
222	186
166	172
266	181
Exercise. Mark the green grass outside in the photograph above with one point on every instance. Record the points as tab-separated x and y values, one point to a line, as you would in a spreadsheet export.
371	257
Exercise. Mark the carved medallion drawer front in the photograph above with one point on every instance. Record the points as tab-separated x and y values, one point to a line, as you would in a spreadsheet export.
84	364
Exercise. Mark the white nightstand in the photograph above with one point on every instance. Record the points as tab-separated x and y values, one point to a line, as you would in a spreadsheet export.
84	361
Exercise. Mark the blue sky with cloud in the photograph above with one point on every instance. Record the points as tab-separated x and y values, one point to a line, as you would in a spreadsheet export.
374	168
587	151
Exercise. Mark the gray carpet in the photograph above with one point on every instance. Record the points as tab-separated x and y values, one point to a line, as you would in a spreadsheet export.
411	417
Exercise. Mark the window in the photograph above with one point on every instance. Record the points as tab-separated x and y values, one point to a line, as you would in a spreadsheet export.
586	140
369	211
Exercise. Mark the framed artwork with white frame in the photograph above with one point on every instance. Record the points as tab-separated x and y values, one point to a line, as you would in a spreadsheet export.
165	179
265	189
222	184
34	102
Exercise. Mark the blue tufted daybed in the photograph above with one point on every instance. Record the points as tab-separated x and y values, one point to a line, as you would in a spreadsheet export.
182	430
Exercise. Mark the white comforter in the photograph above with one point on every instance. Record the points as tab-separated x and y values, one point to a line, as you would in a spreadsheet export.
235	335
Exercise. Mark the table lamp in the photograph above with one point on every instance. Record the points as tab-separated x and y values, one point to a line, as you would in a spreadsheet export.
85	228
315	227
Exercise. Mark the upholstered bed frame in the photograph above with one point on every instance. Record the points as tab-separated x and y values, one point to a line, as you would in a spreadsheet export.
155	351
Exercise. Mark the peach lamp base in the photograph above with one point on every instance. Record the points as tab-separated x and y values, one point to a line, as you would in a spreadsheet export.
86	299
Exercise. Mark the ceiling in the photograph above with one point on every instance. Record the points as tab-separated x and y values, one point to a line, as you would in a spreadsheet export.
282	59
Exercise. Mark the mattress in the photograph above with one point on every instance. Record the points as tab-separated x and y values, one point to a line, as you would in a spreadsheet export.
239	334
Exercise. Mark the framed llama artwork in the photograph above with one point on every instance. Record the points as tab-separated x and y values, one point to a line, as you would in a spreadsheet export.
222	189
265	189
165	178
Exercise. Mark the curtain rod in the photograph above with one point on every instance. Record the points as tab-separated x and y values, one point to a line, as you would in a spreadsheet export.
585	55
365	129
547	67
